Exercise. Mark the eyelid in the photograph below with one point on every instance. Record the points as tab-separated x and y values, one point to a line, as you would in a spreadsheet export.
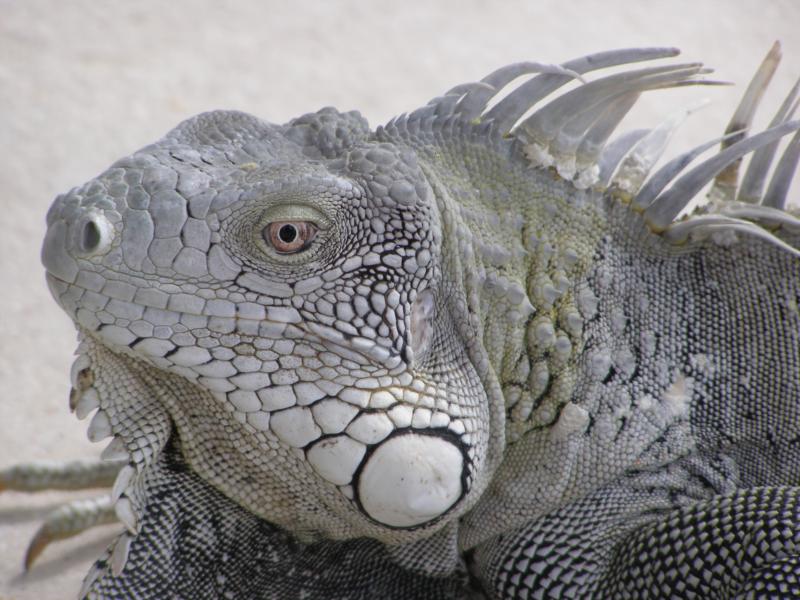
295	213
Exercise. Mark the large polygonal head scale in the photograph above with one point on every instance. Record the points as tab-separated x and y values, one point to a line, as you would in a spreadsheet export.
292	276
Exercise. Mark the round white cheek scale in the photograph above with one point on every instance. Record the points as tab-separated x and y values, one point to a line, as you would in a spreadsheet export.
411	479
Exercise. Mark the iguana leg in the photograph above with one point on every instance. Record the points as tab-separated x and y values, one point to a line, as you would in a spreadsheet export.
73	517
47	475
780	579
743	544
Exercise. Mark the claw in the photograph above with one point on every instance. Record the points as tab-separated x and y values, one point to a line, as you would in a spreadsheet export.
36	546
67	521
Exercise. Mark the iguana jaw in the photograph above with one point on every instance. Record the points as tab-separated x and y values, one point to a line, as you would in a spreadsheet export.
400	457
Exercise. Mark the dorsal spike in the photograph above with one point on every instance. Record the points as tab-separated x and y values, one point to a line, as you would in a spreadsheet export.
766	216
622	56
636	165
445	105
743	115
564	147
476	99
512	107
709	224
441	105
726	181
778	190
595	138
752	185
466	88
670	203
669	171
505	75
543	125
615	152
474	103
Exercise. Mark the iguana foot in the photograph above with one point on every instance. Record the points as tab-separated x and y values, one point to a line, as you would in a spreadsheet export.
73	517
69	520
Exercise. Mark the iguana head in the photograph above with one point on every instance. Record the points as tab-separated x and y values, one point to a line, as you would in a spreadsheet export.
294	274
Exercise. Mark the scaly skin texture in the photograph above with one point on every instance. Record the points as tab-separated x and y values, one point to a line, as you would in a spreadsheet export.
478	364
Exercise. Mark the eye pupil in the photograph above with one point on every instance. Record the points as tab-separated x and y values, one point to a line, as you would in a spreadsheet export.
287	233
289	237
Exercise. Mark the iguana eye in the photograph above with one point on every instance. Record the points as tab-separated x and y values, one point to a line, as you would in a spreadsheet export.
288	237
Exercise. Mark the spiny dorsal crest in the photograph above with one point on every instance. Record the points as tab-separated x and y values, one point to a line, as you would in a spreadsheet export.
570	134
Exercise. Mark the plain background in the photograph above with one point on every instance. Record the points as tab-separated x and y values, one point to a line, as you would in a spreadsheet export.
84	83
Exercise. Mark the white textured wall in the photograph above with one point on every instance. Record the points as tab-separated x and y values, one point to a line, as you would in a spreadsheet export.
83	83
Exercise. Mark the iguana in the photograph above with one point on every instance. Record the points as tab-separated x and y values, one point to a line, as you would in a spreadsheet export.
474	352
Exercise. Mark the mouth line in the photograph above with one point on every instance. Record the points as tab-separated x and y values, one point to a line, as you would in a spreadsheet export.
235	317
329	336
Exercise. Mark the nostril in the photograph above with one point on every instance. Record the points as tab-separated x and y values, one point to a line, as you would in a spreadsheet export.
90	237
